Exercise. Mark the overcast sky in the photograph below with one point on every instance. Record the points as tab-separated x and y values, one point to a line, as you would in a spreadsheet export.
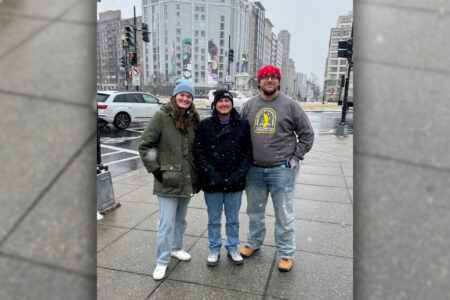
308	21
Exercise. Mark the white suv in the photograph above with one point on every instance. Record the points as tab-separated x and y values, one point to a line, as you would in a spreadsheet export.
238	99
122	108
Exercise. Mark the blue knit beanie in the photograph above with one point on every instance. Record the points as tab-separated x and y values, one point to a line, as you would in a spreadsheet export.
184	85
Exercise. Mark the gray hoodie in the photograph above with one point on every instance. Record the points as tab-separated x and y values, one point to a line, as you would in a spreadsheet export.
279	129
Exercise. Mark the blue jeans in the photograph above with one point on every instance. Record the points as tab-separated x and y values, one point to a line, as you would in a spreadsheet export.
215	203
171	227
280	182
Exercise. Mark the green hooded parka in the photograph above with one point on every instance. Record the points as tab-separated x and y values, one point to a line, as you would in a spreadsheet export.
165	147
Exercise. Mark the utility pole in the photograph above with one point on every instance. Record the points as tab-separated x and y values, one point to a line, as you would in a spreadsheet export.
346	50
135	41
229	62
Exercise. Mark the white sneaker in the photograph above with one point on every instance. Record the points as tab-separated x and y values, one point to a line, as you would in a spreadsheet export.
159	273
181	255
213	259
235	257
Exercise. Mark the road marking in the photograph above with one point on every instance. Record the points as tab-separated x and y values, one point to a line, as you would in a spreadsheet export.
114	152
118	161
108	140
120	149
136	130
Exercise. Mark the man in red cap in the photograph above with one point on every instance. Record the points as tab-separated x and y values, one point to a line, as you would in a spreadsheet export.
281	135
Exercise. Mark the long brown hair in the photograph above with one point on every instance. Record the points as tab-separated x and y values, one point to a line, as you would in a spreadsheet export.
184	120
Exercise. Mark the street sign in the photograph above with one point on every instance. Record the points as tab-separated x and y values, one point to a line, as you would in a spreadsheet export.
136	80
135	71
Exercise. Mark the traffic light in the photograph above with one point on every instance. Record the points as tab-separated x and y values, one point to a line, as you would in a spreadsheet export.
145	33
345	48
123	61
129	35
130	76
231	57
133	59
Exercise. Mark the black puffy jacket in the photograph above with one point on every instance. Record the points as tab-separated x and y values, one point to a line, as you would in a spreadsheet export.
223	153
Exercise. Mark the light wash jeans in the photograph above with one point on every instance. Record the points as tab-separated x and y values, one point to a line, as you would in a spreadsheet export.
171	227
280	182
215	203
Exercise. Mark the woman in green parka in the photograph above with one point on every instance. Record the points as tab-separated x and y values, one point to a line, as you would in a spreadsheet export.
166	149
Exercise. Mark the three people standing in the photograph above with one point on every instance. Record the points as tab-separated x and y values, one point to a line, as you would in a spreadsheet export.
280	133
223	155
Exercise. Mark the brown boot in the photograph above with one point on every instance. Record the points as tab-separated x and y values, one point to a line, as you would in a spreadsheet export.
285	264
247	251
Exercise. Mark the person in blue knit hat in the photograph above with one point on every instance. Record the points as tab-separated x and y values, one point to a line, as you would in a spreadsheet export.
167	151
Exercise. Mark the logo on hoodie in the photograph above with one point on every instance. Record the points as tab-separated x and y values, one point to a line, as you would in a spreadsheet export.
265	121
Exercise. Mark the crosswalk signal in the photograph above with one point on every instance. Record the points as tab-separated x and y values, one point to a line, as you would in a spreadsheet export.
345	49
129	35
231	57
133	59
145	33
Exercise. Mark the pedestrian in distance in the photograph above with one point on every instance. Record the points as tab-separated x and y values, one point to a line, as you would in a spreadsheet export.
223	155
167	151
281	135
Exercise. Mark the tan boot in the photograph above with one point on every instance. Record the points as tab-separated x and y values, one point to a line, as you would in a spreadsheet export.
285	264
247	251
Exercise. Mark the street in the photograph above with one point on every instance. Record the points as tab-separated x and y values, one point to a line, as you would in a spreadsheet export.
119	148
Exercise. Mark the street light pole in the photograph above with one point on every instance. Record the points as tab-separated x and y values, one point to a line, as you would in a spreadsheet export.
342	129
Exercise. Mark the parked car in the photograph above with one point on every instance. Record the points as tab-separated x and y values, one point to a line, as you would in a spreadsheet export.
123	108
238	99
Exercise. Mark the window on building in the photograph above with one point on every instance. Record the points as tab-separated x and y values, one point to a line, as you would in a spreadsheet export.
333	62
342	69
332	83
333	55
347	33
333	69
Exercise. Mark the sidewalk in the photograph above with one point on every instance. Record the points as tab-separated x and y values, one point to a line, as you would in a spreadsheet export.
323	263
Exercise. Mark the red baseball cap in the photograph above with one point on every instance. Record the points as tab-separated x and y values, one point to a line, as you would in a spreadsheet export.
269	70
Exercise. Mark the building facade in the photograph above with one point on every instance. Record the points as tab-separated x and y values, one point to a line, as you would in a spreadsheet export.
192	39
285	38
337	67
259	12
291	78
110	48
267	57
278	54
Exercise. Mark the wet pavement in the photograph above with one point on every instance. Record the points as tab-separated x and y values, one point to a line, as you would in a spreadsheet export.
323	261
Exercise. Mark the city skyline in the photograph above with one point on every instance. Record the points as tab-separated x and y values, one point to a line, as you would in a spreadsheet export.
309	22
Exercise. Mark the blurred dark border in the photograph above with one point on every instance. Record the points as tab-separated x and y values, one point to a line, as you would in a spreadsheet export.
401	161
